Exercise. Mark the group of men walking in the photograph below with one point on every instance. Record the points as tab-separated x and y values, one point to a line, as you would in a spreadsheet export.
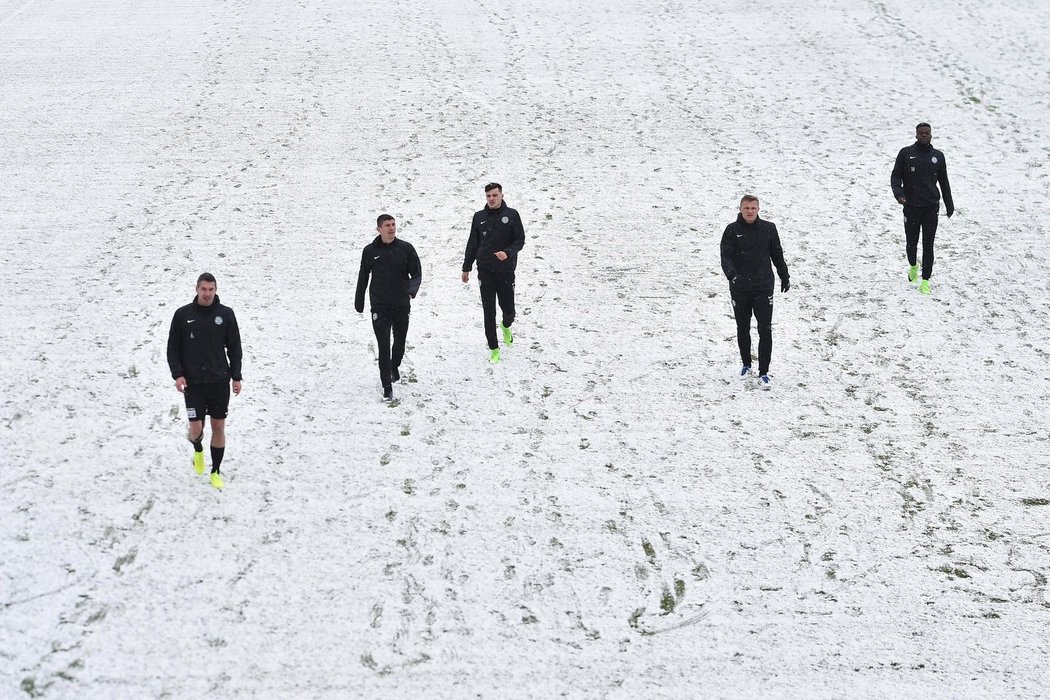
204	345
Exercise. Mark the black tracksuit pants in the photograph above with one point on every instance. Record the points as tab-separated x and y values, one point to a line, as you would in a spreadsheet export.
495	286
759	303
924	219
384	320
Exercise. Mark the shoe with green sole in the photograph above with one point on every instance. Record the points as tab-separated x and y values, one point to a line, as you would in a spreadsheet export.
198	462
508	337
924	287
217	481
494	356
913	273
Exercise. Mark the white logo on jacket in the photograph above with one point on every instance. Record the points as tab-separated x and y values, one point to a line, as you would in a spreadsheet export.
505	220
218	320
933	160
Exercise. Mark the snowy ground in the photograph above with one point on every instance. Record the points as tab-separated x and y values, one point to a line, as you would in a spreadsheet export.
605	513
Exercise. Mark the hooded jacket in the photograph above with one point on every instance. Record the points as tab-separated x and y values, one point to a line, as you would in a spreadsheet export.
204	344
916	173
395	271
493	230
747	250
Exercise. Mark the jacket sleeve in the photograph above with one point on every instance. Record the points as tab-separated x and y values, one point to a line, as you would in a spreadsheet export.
946	189
727	249
519	237
897	176
175	348
362	282
415	272
472	246
776	254
233	347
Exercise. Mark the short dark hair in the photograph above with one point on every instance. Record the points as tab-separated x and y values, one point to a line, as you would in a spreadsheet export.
493	186
922	124
206	277
748	198
382	218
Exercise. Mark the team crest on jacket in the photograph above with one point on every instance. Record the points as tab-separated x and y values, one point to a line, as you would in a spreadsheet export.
506	219
933	160
218	320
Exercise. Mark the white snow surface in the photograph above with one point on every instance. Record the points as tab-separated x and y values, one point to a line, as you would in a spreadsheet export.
606	513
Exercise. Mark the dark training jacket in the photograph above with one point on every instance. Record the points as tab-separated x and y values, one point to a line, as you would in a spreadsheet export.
199	342
493	230
916	173
747	250
396	274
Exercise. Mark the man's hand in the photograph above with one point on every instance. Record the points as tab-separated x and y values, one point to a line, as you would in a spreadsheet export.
948	211
902	200
501	255
465	277
785	285
180	385
236	387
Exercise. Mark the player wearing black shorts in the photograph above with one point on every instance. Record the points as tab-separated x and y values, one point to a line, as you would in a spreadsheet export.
204	355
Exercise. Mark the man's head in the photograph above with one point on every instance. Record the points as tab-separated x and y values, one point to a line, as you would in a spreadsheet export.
749	208
387	228
923	133
494	195
206	289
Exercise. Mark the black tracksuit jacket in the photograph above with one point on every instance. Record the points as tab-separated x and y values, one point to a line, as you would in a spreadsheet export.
200	340
916	173
747	250
493	230
395	271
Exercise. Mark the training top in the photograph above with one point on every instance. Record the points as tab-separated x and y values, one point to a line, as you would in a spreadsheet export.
493	230
204	344
747	250
916	173
395	271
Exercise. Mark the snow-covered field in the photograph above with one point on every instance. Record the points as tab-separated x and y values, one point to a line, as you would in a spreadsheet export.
605	513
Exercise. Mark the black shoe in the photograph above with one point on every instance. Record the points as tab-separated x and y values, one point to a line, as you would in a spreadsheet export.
395	375
388	393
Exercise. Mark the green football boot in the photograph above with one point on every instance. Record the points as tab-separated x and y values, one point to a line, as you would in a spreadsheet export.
913	273
198	462
494	356
217	481
508	337
924	287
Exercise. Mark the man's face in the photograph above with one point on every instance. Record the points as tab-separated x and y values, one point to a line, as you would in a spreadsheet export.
205	293
387	230
923	135
494	198
749	210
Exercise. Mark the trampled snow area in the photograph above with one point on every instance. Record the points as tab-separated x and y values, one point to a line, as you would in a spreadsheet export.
605	513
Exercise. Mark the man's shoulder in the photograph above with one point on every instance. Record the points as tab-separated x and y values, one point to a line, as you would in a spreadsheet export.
184	310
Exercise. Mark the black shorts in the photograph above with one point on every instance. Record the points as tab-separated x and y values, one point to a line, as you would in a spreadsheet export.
212	399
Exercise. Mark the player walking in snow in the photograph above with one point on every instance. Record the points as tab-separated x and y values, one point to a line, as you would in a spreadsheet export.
396	275
918	170
496	236
204	355
748	246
